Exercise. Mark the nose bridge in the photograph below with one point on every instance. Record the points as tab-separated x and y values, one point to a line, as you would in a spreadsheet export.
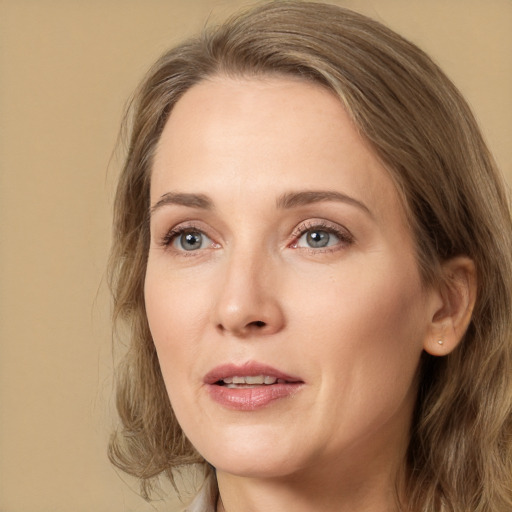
248	300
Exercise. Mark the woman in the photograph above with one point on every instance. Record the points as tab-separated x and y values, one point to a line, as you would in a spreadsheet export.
312	252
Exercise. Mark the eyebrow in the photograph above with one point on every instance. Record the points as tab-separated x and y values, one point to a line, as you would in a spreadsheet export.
285	201
181	199
296	199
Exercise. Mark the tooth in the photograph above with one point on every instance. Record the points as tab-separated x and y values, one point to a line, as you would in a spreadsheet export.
258	379
251	380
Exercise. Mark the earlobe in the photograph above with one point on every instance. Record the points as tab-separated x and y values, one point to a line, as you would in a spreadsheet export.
450	319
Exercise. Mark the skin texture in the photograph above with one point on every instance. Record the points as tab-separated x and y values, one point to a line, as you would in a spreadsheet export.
350	319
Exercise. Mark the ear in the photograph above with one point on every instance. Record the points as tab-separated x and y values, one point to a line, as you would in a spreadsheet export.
452	309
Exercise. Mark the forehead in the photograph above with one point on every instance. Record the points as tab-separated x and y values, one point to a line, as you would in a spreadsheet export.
266	134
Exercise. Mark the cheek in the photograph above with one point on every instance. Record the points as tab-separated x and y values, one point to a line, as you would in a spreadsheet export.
176	314
359	298
366	329
367	350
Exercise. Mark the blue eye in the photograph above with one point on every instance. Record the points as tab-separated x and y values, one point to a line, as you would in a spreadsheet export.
191	240
317	239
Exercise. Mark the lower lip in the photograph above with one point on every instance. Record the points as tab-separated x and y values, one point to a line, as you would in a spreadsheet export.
250	399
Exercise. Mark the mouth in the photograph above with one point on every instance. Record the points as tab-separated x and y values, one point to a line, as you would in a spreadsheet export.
248	374
250	386
238	382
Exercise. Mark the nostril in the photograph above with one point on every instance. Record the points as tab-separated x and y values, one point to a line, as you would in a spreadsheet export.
256	325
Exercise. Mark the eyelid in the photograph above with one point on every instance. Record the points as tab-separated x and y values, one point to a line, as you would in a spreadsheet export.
345	236
168	238
341	232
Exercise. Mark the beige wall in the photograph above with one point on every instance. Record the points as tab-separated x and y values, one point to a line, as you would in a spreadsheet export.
66	69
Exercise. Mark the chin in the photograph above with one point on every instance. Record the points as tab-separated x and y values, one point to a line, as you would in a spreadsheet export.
249	456
253	466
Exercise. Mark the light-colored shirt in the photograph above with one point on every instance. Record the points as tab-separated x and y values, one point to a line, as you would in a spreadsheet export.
206	498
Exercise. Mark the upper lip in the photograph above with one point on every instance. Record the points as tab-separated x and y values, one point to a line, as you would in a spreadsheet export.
249	369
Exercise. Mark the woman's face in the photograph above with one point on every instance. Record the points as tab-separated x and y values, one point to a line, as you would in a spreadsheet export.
282	288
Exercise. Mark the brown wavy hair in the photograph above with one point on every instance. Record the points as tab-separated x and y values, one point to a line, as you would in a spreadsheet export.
460	452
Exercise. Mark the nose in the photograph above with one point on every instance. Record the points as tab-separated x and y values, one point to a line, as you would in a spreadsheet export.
249	303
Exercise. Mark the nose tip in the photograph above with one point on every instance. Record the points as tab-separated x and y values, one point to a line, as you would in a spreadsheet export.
249	305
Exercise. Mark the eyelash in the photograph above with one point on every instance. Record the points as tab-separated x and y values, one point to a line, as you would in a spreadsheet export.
344	236
174	233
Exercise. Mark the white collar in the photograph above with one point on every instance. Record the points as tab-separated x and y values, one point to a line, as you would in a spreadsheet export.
206	498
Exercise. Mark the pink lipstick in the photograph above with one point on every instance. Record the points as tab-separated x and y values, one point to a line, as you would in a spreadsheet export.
249	386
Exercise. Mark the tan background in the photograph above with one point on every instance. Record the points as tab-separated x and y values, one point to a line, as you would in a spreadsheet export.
66	69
